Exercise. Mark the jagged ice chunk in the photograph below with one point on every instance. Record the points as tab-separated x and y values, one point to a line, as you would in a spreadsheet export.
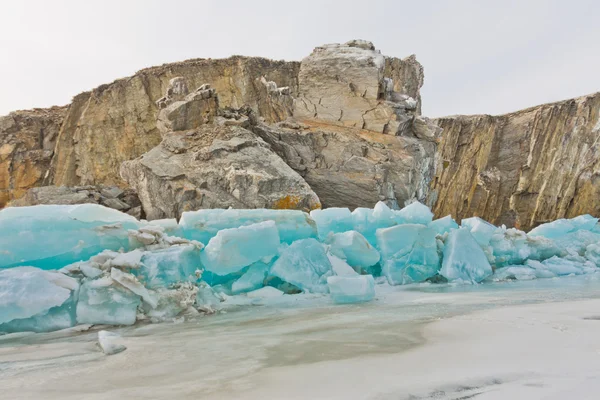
464	260
409	253
233	249
304	264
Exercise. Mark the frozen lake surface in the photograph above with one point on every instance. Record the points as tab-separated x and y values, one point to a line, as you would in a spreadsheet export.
519	340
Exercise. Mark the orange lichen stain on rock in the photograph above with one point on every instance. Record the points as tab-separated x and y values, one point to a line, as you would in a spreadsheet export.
316	206
288	202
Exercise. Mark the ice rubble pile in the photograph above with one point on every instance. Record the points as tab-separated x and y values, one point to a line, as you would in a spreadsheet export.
87	264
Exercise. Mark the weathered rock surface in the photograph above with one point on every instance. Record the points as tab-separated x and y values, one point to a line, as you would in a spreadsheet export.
215	166
342	128
347	85
350	167
521	169
27	141
124	119
180	110
110	196
118	121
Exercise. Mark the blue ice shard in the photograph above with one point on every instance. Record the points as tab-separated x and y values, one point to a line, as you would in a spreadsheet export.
332	220
561	227
367	221
32	299
480	229
464	260
305	265
252	279
409	253
203	225
102	301
233	249
52	236
443	225
163	267
414	213
354	248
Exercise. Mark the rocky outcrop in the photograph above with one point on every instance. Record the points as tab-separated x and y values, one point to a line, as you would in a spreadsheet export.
181	111
216	165
113	197
341	128
227	157
122	120
27	142
118	121
352	167
347	85
520	169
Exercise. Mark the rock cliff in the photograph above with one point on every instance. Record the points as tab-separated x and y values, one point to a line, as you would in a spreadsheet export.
27	143
343	127
118	121
520	169
142	121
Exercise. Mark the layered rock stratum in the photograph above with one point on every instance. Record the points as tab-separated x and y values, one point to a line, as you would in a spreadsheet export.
520	169
343	127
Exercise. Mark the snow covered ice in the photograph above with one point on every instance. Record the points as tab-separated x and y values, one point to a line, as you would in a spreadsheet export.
68	265
110	342
351	289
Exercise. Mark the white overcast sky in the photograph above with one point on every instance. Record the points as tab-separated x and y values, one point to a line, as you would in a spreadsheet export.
479	56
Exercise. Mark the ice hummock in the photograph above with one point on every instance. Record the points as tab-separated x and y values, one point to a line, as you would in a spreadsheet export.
481	230
415	213
68	265
101	301
367	221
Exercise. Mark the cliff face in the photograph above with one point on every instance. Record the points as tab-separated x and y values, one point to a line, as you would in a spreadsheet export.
344	125
117	122
220	157
27	141
520	169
